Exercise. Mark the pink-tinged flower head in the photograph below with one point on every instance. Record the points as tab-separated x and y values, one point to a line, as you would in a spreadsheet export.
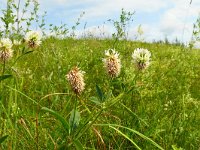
5	49
76	80
112	63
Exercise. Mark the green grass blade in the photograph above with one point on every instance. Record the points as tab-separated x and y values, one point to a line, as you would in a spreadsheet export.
124	135
78	145
34	101
141	135
3	77
59	117
134	131
21	56
132	113
94	116
3	138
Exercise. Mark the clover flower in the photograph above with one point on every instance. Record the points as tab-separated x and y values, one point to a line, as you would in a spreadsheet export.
17	42
33	39
5	49
112	63
141	58
76	80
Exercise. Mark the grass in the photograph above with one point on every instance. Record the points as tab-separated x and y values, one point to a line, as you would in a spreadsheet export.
154	109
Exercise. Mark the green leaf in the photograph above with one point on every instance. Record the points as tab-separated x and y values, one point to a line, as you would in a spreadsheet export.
132	130
95	100
3	77
59	117
176	148
100	93
27	52
78	145
74	119
22	55
3	138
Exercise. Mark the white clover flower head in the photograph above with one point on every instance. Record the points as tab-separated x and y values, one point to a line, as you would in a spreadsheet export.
141	58
112	62
17	42
76	80
33	39
5	49
6	43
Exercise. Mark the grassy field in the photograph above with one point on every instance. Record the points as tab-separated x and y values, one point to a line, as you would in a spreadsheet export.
158	108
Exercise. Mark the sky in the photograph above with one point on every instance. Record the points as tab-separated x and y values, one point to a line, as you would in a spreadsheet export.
158	18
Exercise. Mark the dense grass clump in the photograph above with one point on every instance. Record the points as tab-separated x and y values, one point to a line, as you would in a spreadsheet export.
154	108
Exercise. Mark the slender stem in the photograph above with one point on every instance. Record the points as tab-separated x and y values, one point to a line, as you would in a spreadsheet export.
83	130
18	5
75	105
37	125
4	66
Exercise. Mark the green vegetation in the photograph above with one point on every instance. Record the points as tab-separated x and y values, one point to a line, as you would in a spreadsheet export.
150	109
154	104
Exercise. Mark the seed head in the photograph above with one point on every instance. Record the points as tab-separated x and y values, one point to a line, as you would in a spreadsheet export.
76	80
5	49
112	63
33	39
141	58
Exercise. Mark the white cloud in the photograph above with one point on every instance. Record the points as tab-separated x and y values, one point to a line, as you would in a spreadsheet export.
177	21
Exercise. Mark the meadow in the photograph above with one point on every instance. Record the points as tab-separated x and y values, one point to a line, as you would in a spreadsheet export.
157	108
63	92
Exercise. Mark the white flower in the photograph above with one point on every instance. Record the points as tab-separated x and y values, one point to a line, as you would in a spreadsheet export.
5	49
141	58
33	38
6	43
112	63
17	42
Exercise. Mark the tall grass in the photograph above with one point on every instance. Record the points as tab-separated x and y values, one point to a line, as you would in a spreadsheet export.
150	109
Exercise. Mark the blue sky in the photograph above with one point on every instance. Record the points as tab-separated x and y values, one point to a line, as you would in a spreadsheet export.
159	18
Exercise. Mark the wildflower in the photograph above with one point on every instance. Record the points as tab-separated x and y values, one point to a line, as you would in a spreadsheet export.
112	63
33	39
141	58
17	42
5	49
76	80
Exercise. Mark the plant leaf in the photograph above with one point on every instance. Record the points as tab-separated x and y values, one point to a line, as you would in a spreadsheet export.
3	77
74	119
100	93
78	145
59	117
3	138
95	100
